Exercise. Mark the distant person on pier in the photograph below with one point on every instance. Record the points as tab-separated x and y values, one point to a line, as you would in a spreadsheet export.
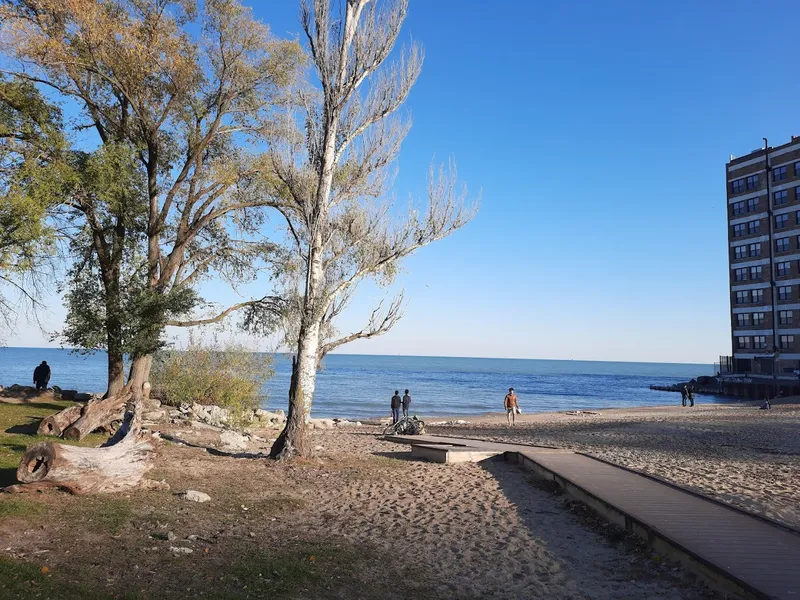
684	395
511	405
406	403
396	403
41	376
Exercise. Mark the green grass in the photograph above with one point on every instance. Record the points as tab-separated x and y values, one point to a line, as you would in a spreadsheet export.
101	514
18	424
11	506
294	573
20	579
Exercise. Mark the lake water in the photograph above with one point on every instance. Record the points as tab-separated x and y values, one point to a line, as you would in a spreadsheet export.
359	386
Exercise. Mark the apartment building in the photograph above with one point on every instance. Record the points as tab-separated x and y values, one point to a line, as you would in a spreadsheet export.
764	259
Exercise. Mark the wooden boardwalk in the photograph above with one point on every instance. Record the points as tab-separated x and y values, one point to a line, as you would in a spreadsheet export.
729	547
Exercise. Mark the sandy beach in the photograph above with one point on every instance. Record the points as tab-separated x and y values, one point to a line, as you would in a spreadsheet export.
361	519
736	453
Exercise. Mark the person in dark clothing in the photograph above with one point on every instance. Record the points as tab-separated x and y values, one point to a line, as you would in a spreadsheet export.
41	376
684	395
396	403
691	397
406	403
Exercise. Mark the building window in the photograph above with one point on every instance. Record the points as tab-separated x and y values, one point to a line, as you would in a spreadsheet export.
738	208
785	292
752	204
782	245
785	317
787	341
739	230
781	197
755	273
740	275
797	217
752	182
781	221
755	249
740	252
757	296
797	169
742	297
743	320
760	342
758	319
754	227
737	187
743	343
779	173
784	269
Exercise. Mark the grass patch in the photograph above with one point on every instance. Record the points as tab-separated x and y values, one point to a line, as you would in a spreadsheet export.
18	424
11	506
104	514
20	579
308	571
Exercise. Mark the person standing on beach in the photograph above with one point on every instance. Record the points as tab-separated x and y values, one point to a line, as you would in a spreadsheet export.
684	395
396	403
510	403
406	403
691	397
41	376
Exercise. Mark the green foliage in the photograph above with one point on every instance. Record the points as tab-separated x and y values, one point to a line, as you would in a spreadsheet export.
230	377
33	177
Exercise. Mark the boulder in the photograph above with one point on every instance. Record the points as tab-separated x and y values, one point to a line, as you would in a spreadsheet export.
322	424
196	496
151	404
213	415
81	397
232	440
267	418
68	394
154	415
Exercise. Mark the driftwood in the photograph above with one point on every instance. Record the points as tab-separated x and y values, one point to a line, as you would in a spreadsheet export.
95	415
57	423
118	465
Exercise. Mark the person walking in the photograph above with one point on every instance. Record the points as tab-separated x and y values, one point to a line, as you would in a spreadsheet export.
41	376
396	403
684	395
511	405
691	397
406	403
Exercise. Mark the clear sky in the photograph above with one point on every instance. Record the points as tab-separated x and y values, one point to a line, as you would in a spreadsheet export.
598	136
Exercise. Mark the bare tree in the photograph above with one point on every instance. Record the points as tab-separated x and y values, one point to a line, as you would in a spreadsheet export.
334	177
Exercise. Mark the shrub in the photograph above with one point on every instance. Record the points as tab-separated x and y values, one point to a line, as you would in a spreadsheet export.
230	377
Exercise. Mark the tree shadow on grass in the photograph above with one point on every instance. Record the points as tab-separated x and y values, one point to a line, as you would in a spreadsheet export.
25	428
8	477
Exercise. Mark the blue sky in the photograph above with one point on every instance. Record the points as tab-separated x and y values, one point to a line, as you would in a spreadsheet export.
598	138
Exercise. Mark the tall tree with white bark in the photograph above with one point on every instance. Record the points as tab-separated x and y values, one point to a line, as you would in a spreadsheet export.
334	177
194	90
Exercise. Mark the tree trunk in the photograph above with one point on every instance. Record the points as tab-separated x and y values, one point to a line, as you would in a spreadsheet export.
116	373
98	414
57	423
120	465
292	442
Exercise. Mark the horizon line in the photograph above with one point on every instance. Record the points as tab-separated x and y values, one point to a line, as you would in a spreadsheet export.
644	362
